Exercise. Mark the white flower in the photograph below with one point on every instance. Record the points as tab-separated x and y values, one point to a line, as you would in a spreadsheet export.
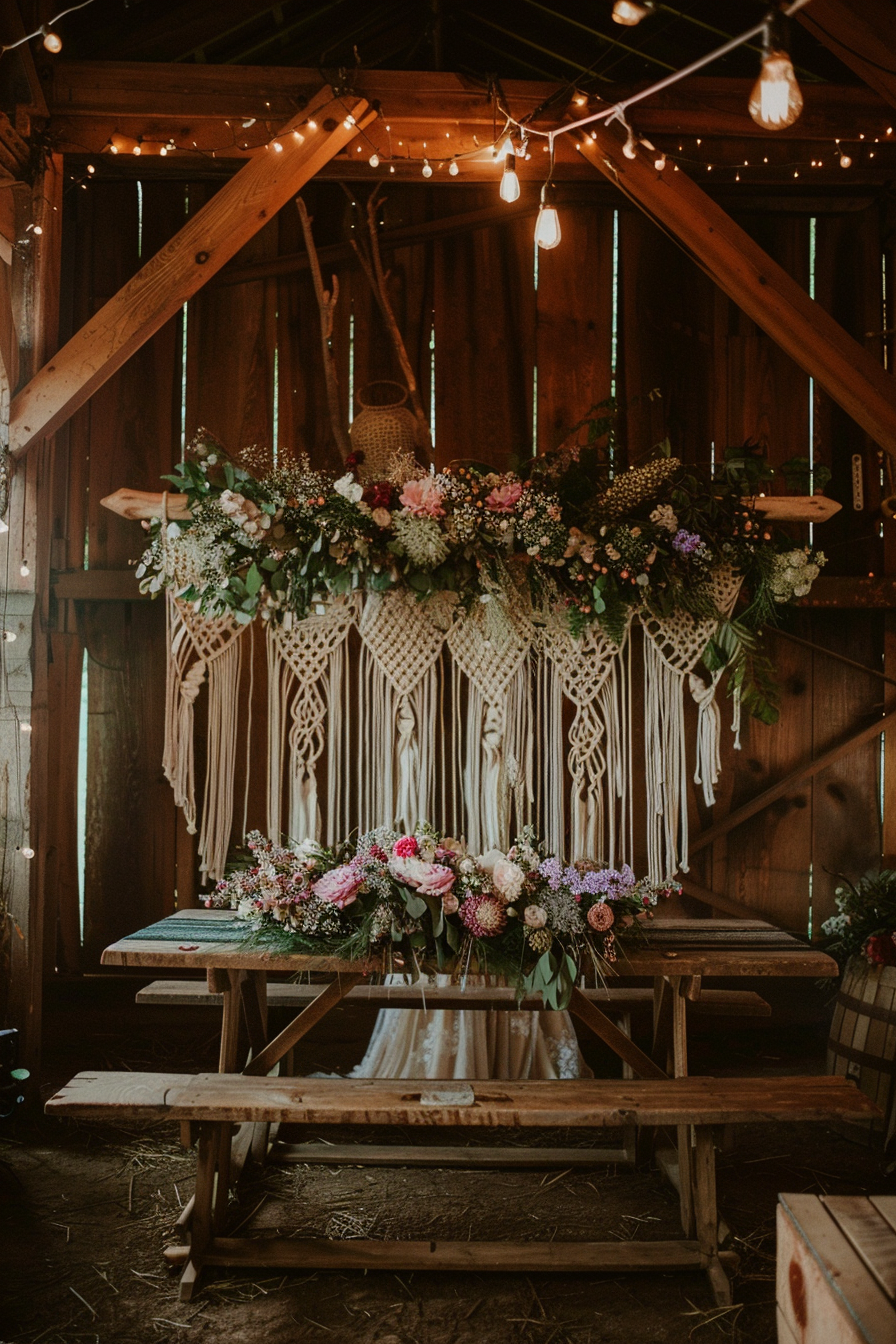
349	488
488	860
508	879
535	917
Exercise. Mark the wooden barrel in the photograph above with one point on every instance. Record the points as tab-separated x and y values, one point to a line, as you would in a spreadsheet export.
862	1043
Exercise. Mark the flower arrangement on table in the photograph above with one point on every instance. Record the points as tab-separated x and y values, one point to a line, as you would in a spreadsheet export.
422	901
866	923
282	540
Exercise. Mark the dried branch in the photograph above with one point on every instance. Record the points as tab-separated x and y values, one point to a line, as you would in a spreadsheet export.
326	302
372	264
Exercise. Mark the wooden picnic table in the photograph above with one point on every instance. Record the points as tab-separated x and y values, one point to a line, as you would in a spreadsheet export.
676	954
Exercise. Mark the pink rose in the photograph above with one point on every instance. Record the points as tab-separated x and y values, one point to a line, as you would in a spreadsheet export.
340	886
503	498
431	879
437	881
422	498
406	847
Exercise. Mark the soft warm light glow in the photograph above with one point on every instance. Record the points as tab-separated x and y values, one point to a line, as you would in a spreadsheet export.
9	635
453	168
52	41
24	727
312	124
374	160
138	150
845	161
278	148
505	148
629	12
510	183
27	852
24	570
427	169
776	100
630	148
547	227
659	162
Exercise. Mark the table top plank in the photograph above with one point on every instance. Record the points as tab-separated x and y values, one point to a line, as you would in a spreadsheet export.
706	947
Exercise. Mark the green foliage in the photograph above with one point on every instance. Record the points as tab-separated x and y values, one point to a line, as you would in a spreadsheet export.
866	910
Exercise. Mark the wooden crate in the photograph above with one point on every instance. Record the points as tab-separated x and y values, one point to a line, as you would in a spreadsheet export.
836	1280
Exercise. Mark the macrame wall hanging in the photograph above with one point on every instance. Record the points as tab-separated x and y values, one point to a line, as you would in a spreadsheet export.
383	710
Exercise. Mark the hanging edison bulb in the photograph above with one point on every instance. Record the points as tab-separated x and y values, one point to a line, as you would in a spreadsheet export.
629	12
547	225
776	100
510	183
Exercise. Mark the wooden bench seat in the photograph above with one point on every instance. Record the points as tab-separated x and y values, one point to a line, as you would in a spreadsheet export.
543	1103
216	1101
621	999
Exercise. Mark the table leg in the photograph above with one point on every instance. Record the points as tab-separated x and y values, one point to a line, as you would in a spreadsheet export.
201	1230
707	1216
683	1135
227	983
301	1025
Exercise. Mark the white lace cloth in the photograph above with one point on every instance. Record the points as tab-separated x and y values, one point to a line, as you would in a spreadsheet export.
470	1043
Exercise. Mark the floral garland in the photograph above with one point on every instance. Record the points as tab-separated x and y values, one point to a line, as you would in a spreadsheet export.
424	901
281	541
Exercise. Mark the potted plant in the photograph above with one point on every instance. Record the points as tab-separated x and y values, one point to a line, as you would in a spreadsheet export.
803	477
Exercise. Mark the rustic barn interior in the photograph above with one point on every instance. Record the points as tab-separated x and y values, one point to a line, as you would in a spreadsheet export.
719	284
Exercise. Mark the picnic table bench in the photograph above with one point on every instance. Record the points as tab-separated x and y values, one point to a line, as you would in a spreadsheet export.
215	1102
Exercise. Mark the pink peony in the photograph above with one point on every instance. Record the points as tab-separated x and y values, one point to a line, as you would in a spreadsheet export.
406	847
340	886
504	497
422	498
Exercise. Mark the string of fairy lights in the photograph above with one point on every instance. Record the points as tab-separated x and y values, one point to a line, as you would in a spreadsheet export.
775	103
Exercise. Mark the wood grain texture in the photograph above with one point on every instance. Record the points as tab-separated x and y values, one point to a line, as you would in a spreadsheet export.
472	1256
208	240
825	1292
869	1233
716	1002
764	291
591	1103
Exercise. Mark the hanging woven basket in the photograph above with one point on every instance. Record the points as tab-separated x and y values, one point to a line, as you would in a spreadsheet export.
383	427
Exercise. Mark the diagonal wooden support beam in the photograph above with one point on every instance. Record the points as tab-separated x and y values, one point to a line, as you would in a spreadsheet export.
244	205
756	283
862	33
790	782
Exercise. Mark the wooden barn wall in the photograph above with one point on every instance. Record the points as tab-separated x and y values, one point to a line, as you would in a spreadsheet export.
513	365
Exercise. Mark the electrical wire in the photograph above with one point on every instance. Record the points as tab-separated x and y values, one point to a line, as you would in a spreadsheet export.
39	32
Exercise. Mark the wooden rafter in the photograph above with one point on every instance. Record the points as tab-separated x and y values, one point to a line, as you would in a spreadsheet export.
92	99
756	283
863	34
215	233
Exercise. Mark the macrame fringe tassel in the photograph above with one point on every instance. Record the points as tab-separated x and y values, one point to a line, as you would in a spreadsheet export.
223	714
182	683
708	763
665	766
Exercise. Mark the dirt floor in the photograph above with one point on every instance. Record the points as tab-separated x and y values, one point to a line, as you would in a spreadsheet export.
86	1210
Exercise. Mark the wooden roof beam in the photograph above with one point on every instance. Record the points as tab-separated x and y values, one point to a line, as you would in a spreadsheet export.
215	233
756	283
862	33
89	100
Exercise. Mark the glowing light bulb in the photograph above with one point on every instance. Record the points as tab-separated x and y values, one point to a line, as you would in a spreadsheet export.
27	852
24	570
453	168
278	148
374	160
24	727
9	635
37	230
510	183
249	121
298	137
505	148
630	148
845	161
776	100
547	225
659	162
52	41
138	150
349	122
163	150
427	170
91	169
629	12
312	125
